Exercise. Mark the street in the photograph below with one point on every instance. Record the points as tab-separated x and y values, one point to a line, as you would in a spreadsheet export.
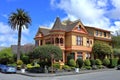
104	75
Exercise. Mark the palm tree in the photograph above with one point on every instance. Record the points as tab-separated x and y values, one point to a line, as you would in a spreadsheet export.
19	20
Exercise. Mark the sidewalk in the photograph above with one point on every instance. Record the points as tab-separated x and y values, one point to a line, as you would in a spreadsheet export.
61	73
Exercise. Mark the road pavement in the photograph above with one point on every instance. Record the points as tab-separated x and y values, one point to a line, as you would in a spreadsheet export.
103	75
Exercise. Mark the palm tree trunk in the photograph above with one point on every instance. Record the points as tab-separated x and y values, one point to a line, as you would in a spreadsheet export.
19	43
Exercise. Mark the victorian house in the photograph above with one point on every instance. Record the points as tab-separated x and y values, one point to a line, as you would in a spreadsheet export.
72	37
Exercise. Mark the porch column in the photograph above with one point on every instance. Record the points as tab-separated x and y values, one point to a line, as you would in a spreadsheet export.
84	55
63	56
75	56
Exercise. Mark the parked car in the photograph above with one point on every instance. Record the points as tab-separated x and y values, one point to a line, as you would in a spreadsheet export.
7	69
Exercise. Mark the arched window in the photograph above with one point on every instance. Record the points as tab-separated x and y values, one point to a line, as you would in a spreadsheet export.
57	40
61	40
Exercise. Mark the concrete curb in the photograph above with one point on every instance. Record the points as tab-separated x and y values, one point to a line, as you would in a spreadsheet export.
62	73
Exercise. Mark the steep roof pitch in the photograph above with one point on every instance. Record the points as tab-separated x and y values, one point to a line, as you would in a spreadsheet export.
58	25
72	26
44	31
69	27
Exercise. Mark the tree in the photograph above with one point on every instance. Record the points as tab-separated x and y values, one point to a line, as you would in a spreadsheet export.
46	52
19	20
6	56
101	49
116	41
116	52
79	62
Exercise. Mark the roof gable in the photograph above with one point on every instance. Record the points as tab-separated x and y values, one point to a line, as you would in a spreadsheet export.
43	31
79	27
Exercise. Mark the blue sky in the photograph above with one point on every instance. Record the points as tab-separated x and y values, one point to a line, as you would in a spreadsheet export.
97	13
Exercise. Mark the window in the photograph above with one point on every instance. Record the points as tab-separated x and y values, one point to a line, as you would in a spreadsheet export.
104	34
37	42
96	33
88	42
87	55
100	33
79	27
41	42
109	35
79	40
79	55
57	40
61	40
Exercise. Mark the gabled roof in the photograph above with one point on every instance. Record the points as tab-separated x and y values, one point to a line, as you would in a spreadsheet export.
97	28
44	31
69	27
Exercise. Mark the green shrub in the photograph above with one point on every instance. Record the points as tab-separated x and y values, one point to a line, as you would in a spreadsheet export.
98	62
87	62
44	63
25	59
66	67
69	57
99	66
19	62
92	62
36	65
29	66
113	62
106	62
119	61
72	63
56	65
88	67
18	67
79	62
14	64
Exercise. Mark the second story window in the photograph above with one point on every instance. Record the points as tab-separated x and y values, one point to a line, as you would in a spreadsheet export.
79	27
100	33
79	40
105	34
88	42
109	35
96	33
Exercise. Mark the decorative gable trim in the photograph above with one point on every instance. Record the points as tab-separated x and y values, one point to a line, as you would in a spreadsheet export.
80	28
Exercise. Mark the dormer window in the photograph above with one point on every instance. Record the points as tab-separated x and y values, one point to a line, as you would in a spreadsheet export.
79	27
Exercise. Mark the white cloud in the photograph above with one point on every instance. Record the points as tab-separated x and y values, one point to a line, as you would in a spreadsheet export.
115	13
116	26
5	16
9	36
95	13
